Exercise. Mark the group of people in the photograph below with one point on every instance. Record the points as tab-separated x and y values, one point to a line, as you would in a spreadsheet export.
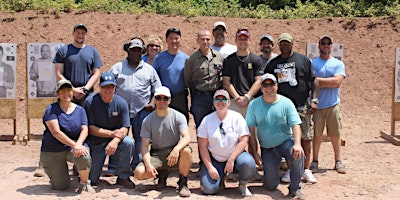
242	104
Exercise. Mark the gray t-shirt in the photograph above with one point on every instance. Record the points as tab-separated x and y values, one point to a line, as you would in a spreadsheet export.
165	131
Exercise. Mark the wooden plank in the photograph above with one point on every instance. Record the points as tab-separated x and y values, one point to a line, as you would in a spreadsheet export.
37	106
7	109
391	138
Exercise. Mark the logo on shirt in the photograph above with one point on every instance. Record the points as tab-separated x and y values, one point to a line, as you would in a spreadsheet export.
114	114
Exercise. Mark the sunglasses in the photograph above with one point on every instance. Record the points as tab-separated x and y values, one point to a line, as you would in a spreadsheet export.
219	30
285	43
65	90
154	45
265	85
162	98
223	100
108	87
325	43
221	129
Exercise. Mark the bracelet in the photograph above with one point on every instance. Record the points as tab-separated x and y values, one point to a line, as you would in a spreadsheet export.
247	96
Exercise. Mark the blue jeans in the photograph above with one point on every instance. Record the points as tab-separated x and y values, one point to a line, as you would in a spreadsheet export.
123	153
271	158
244	165
136	123
202	105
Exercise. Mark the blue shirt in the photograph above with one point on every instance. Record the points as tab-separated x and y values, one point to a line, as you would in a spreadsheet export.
109	116
135	85
70	125
328	68
170	70
274	121
78	63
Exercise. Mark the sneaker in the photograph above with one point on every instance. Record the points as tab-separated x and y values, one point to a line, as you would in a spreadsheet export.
183	189
296	195
110	172
162	179
39	171
244	190
314	166
257	177
308	176
85	187
286	178
340	167
283	164
126	183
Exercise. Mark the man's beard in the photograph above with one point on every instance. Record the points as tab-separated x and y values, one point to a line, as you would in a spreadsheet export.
266	50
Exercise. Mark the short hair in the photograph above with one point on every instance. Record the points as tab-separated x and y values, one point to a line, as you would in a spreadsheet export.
152	39
44	45
173	30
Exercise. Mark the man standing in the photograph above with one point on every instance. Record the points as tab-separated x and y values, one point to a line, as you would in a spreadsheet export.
330	74
45	86
267	49
169	65
220	44
7	79
136	82
279	134
167	131
296	80
79	63
108	117
202	75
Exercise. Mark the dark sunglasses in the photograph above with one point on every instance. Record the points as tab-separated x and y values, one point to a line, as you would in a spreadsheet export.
108	87
154	45
223	100
160	98
325	43
285	43
272	84
221	129
219	30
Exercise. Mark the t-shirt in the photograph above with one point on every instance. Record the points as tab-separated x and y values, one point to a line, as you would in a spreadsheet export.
328	68
225	50
294	76
78	63
274	121
109	116
165	131
70	125
242	71
221	146
169	68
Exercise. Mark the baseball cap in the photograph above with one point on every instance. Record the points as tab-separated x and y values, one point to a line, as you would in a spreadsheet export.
107	78
216	24
325	36
285	37
82	26
162	91
268	76
136	43
243	31
268	37
221	93
63	82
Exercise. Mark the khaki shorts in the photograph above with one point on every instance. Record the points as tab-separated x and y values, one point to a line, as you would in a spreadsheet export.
331	117
307	129
158	158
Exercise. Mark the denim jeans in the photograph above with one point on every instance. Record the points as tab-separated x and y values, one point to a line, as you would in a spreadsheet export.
244	165
271	158
136	123
123	153
202	105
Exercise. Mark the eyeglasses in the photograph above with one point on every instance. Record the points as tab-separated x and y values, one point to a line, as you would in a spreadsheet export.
223	100
221	129
162	98
108	87
284	43
154	45
325	43
265	85
64	90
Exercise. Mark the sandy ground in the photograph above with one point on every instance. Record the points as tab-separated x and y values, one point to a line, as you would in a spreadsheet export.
372	163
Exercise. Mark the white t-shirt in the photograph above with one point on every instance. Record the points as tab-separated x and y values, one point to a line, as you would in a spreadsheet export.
225	50
221	146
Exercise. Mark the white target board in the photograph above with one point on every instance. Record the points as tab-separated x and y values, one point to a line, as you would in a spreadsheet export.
397	75
313	51
8	63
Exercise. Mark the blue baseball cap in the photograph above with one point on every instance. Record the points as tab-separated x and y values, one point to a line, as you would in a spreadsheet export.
107	78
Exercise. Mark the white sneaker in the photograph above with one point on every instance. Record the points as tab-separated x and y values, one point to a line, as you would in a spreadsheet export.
308	176
245	191
286	178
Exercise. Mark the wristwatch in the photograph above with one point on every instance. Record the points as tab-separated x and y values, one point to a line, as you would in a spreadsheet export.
315	100
247	96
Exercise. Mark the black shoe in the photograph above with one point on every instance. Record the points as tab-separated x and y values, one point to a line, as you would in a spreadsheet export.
183	188
126	183
162	179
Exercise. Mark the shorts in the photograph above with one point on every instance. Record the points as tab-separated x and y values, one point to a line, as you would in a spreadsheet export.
331	117
158	158
307	129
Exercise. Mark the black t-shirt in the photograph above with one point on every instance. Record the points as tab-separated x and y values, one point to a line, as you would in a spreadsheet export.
295	76
242	71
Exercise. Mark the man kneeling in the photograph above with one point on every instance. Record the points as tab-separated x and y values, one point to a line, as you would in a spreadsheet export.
168	132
